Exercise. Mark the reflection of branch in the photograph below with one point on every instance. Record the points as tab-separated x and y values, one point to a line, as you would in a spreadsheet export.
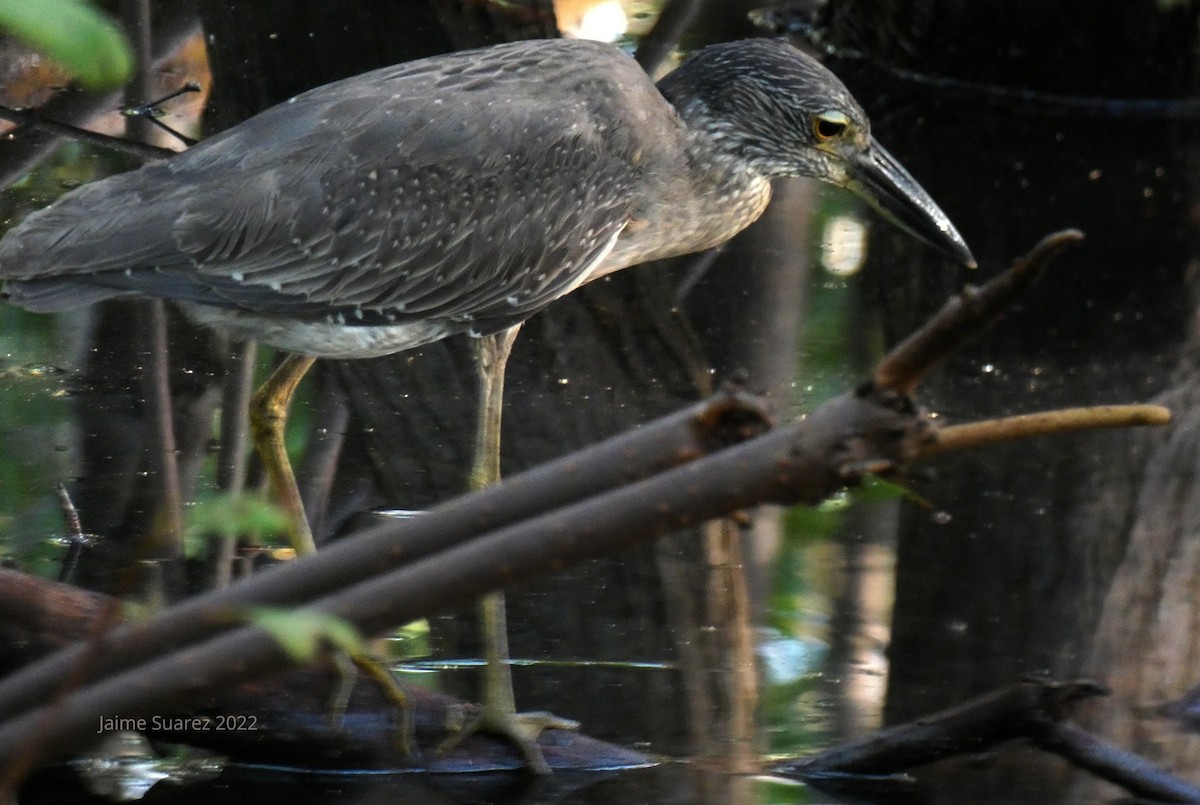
966	315
1032	709
991	431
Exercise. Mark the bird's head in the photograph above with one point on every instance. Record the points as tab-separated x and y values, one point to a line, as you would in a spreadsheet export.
765	103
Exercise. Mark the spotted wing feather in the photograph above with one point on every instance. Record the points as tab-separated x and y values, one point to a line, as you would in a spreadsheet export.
468	188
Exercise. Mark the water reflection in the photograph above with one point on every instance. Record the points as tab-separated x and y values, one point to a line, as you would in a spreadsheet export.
1028	562
125	767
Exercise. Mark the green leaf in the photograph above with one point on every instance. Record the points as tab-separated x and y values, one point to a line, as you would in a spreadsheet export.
875	489
82	39
305	633
230	516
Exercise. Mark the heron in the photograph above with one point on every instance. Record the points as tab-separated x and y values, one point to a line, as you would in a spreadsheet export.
458	194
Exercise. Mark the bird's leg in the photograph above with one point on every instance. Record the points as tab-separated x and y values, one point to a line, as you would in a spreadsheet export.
349	665
499	713
268	418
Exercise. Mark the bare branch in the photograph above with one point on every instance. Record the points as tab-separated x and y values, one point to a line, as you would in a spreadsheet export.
685	436
965	316
1024	709
1024	426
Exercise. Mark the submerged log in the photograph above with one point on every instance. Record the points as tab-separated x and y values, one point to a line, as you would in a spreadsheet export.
286	718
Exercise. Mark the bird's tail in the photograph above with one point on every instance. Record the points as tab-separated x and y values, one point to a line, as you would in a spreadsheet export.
50	295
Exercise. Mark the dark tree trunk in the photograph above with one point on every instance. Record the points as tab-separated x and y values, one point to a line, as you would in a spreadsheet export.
1028	567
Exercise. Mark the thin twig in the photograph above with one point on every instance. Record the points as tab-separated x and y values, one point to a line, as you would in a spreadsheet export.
1044	423
32	119
75	539
234	440
69	512
151	112
235	402
168	528
327	436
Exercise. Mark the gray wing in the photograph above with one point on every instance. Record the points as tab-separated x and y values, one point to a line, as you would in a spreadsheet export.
471	188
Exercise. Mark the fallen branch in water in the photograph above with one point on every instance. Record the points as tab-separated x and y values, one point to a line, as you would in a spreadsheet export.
1033	710
1021	710
1132	772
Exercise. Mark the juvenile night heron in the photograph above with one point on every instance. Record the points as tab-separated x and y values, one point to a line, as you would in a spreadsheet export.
457	194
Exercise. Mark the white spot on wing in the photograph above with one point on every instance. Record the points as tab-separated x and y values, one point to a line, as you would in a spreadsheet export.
594	269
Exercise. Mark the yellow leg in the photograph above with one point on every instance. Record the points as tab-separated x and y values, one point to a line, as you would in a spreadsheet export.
268	421
268	418
499	706
491	359
349	666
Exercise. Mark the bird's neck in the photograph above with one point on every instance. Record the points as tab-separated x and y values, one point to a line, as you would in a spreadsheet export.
697	204
728	192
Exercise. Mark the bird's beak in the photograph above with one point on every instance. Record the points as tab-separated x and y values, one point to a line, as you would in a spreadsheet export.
881	181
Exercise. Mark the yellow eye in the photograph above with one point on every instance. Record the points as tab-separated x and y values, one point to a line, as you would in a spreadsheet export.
829	125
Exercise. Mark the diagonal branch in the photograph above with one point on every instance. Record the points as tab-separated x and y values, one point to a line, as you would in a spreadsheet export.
1036	710
725	419
803	462
966	315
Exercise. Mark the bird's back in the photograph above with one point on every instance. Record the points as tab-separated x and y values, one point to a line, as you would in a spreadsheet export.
471	188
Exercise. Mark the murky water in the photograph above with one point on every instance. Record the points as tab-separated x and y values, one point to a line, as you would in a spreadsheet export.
1066	557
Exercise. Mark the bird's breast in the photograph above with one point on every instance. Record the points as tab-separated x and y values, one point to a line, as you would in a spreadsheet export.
687	222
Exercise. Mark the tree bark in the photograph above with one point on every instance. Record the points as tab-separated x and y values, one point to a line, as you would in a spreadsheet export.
1042	548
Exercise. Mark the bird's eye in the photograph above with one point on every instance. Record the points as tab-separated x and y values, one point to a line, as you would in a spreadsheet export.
829	125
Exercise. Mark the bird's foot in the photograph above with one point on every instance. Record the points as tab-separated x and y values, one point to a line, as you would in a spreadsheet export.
349	666
522	729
